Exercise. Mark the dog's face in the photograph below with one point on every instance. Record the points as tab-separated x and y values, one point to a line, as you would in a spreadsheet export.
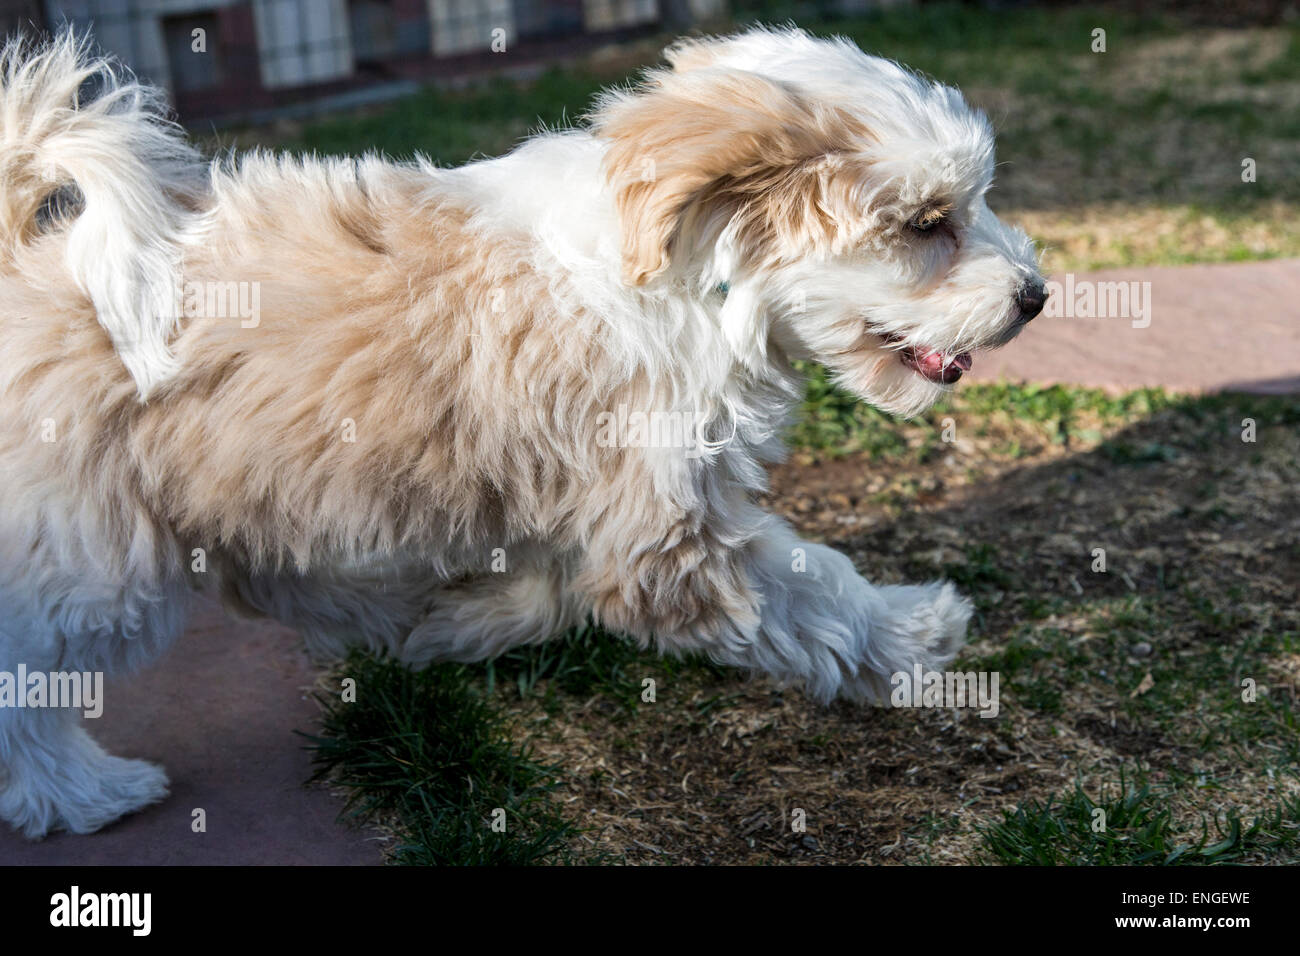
839	197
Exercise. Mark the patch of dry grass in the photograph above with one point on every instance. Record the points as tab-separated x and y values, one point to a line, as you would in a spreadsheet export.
1112	235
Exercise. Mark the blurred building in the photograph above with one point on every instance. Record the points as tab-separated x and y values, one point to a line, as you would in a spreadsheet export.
237	58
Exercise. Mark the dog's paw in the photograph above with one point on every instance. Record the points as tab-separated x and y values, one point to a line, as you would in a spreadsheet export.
924	624
125	786
930	617
88	801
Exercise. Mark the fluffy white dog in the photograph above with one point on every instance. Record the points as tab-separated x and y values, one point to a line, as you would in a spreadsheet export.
405	407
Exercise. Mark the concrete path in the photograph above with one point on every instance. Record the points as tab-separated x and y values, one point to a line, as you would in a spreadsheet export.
219	713
1192	328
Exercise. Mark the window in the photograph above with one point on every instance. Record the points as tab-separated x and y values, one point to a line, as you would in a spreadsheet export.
374	31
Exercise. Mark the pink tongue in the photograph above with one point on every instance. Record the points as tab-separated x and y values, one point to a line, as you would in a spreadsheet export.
937	360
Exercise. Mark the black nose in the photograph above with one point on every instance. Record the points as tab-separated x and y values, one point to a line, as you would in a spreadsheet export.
1030	299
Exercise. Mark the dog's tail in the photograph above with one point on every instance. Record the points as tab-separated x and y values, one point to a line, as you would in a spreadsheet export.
87	151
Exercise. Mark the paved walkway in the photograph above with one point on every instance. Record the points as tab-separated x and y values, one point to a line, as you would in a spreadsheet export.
219	712
1211	327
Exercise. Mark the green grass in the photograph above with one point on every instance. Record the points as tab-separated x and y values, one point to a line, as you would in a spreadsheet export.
583	662
429	755
586	662
832	420
452	127
834	423
1136	827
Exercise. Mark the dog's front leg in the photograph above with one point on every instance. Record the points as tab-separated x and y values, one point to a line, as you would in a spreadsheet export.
793	609
826	626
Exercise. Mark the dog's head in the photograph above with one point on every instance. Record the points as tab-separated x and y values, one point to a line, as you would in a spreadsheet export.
837	197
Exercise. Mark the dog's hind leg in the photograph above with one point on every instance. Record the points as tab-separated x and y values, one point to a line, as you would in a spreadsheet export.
53	776
412	613
488	614
334	611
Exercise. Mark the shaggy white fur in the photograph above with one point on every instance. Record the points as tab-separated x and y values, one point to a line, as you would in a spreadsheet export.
409	446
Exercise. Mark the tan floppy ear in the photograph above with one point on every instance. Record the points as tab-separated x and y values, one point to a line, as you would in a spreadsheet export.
682	145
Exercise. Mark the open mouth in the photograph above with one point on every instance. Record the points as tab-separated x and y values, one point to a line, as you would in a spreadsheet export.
934	364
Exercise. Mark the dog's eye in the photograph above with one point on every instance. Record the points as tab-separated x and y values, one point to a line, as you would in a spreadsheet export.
927	220
64	203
